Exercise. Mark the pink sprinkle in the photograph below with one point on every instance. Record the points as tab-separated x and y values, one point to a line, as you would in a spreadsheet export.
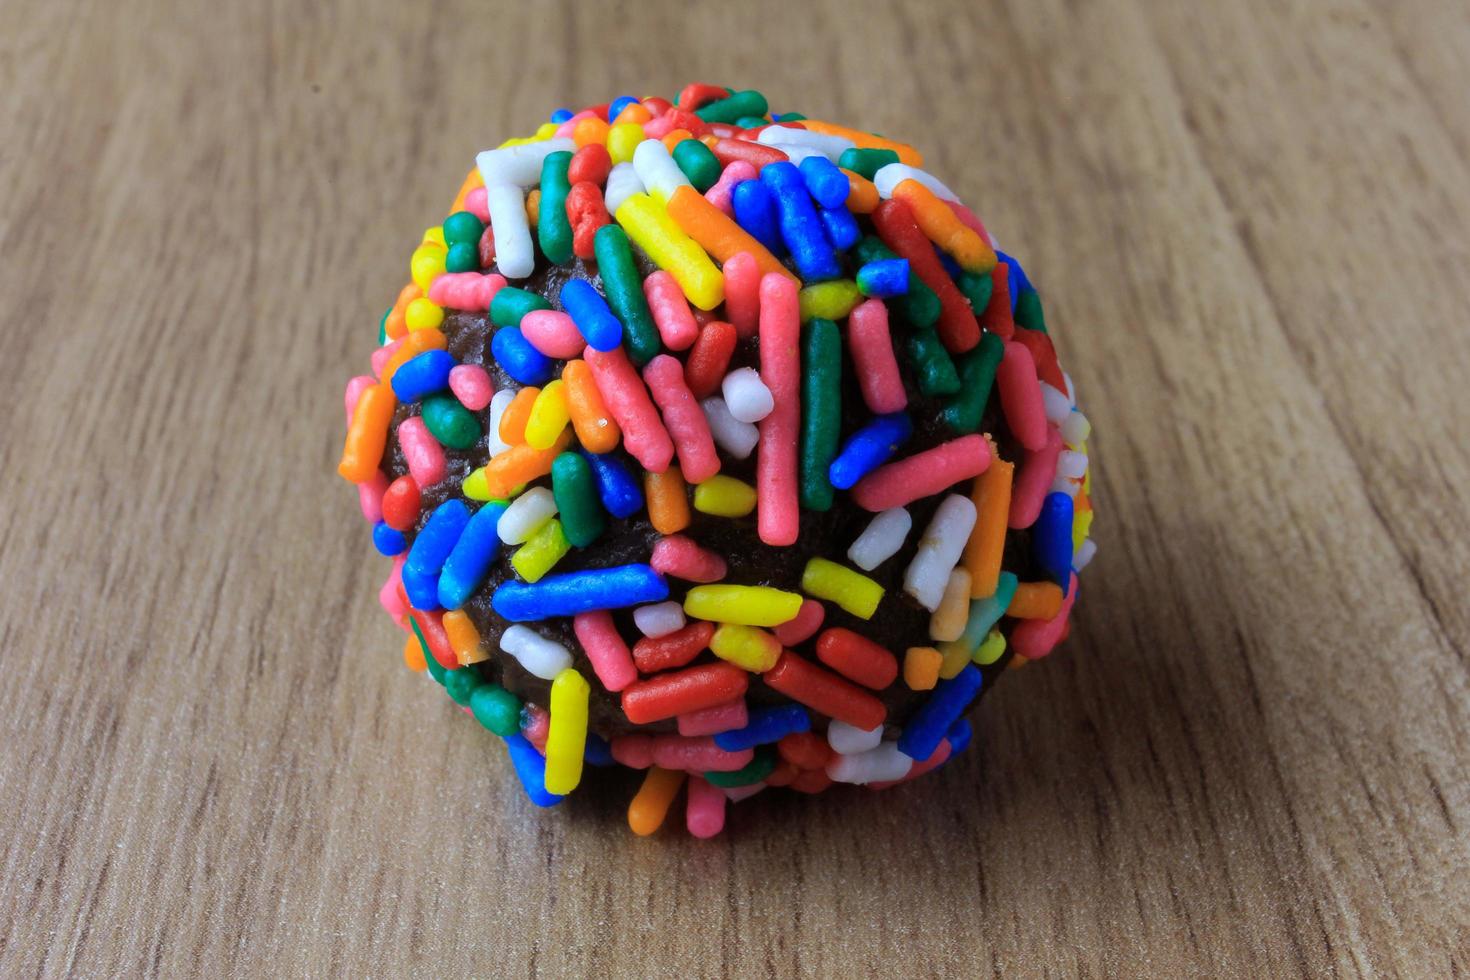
1033	480
923	474
676	324
743	293
711	721
355	388
872	358
680	557
388	595
808	620
704	812
1033	638
605	648
633	751
370	496
697	754
553	333
684	418
719	194
967	217
935	760
1020	396
422	451
476	202
471	384
466	290
778	516
644	435
383	354
535	723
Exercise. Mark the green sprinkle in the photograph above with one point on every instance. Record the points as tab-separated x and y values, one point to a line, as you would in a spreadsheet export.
919	307
383	327
698	163
450	422
512	303
754	771
575	491
462	257
977	287
752	122
977	375
792	116
436	670
821	410
732	109
1028	311
461	684
624	289
497	709
866	162
553	229
937	375
462	227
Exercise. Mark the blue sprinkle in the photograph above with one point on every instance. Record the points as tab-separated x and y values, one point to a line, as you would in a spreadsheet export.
388	541
840	227
531	768
598	752
421	587
801	229
618	105
756	212
469	562
868	448
423	374
577	592
1015	278
438	536
827	185
616	485
1051	538
560	116
764	726
959	737
926	729
884	278
593	317
517	358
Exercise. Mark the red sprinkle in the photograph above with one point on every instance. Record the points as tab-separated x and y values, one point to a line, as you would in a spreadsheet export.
682	691
401	503
591	163
727	151
857	658
653	654
586	213
803	681
814	781
709	357
997	315
697	94
1045	356
957	326
805	750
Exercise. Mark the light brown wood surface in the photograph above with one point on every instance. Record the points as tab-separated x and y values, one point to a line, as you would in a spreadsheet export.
1249	223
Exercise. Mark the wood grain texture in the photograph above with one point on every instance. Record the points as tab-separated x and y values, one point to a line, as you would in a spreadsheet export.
1249	222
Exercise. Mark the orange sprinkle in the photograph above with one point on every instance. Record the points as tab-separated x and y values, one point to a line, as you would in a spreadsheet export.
634	112
862	194
413	345
533	206
589	130
649	808
1036	600
944	228
717	233
596	430
674	137
668	504
867	141
921	668
464	638
396	326
992	496
521	464
413	654
368	434
513	419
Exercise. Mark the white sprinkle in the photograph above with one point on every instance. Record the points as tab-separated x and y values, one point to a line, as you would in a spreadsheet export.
1072	464
1056	404
520	165
1084	555
849	739
498	405
622	183
732	435
890	175
881	539
657	169
746	395
515	257
1075	429
526	515
795	152
540	656
737	793
1063	485
659	619
877	765
939	550
823	144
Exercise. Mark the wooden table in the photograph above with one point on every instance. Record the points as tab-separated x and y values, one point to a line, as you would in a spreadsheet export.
1248	220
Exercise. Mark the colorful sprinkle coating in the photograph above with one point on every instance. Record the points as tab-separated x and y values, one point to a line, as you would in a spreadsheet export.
720	444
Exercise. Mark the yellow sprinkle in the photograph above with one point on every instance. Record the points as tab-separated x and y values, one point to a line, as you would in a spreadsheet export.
829	300
423	314
921	668
549	415
1081	527
566	734
475	486
463	637
990	649
435	236
948	621
851	590
541	552
426	265
747	605
622	140
745	646
724	496
955	656
544	132
648	224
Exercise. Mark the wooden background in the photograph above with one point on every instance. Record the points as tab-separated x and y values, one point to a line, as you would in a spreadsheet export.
1249	223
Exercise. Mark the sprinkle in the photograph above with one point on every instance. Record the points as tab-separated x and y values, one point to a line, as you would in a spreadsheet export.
857	658
424	374
668	504
531	768
873	360
806	623
766	725
704	813
617	488
659	619
514	253
924	731
868	448
731	151
921	668
572	485
658	171
877	765
525	515
605	649
518	358
400	503
725	496
497	709
732	107
648	223
591	315
368	434
705	366
540	656
985	612
779	516
595	429
540	553
672	649
670	310
866	162
566	740
881	539
825	692
466	290
622	183
1036	600
977	370
518	166
1033	480
547	417
501	401
719	235
718	196
1020	397
758	215
923	474
682	691
1051	537
830	300
939	223
889	177
884	278
800	228
644	435
939	550
469	562
651	805
683	418
958	327
747	647
852	591
712	721
575	592
821	417
735	437
948	621
471	384
680	557
516	466
553	230
748	605
905	153
624	288
994	644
